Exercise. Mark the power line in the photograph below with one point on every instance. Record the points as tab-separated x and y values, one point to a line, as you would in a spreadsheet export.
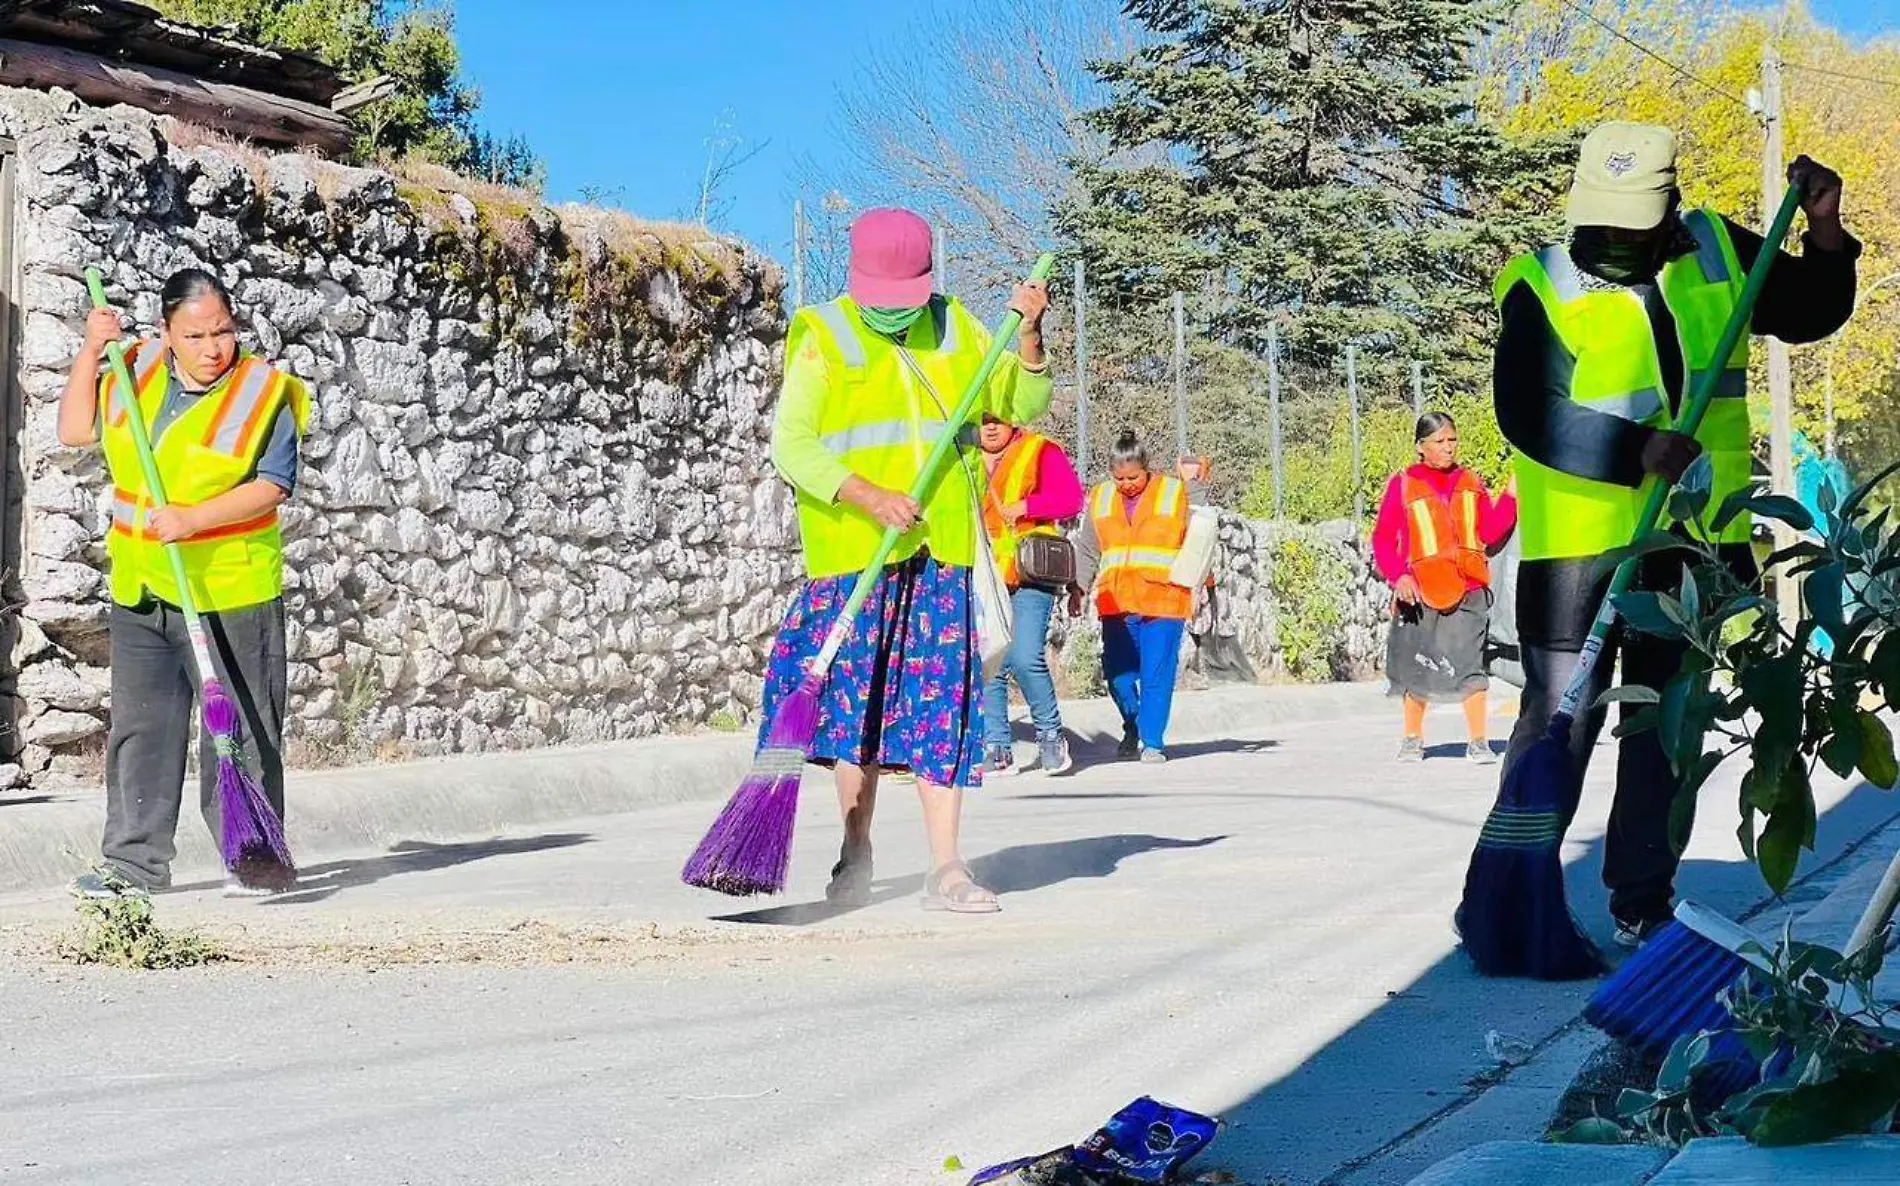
1888	82
1620	35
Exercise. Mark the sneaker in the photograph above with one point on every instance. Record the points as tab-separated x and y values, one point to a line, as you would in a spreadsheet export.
1053	752
1412	749
102	883
1000	761
1131	743
1153	757
1479	753
1632	933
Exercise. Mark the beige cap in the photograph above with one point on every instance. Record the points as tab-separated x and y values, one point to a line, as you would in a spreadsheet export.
1626	177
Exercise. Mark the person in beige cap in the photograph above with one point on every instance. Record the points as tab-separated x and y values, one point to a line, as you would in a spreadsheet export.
1600	340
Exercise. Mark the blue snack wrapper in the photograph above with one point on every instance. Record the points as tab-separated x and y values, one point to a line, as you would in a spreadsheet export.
1146	1142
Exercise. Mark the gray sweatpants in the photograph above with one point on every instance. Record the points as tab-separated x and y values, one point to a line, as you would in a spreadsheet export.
154	698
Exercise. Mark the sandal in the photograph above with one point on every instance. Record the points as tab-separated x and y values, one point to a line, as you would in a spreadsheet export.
850	878
962	897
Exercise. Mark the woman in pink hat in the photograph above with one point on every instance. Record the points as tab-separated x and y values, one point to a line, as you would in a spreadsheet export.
870	382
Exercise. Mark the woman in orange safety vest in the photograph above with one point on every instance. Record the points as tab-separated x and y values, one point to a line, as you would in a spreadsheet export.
1132	531
1430	544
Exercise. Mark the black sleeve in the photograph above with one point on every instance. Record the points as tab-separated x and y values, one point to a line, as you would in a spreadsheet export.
1808	296
1531	391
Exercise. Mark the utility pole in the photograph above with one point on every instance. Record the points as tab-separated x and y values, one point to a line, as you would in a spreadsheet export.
1180	379
1273	422
1780	372
1418	389
798	255
1358	479
1081	373
939	262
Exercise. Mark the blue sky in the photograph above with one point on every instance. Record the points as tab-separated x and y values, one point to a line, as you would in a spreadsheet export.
623	94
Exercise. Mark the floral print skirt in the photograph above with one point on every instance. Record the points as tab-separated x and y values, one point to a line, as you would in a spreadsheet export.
905	692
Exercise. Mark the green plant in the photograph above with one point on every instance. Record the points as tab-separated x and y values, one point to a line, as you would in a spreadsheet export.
1792	697
120	932
725	721
1830	1053
1082	665
1308	581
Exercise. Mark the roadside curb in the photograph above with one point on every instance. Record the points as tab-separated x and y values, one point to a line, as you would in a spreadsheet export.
46	838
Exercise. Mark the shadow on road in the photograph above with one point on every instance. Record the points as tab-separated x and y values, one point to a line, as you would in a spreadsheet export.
317	882
27	801
1381	1081
1015	870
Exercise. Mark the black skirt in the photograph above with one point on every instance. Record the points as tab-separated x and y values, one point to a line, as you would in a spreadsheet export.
1439	656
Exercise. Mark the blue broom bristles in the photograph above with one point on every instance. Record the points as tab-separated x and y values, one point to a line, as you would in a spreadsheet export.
1515	919
1673	988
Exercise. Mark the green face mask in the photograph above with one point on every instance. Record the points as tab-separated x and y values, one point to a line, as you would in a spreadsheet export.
893	322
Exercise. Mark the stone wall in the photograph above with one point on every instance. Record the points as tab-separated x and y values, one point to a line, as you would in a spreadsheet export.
534	505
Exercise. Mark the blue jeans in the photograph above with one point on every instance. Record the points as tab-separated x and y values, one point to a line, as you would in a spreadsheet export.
1028	661
1138	659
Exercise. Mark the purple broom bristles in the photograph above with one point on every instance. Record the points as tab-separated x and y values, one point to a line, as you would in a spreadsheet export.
749	846
253	837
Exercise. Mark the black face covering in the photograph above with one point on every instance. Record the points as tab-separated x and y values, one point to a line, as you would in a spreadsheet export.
1620	260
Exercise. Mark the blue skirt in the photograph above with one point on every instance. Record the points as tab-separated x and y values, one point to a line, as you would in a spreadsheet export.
905	692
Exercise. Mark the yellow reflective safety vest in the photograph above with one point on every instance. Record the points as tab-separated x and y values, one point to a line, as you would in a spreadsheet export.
1618	371
881	421
212	448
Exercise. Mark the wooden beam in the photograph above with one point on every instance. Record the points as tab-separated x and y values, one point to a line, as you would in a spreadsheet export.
363	94
235	110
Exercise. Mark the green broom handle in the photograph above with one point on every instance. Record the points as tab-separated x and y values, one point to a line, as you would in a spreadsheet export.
928	474
135	417
1702	395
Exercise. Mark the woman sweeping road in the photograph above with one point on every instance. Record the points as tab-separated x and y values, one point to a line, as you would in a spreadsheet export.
870	379
1429	543
225	428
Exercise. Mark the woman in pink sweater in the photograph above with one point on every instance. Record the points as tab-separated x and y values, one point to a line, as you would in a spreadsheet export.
1430	542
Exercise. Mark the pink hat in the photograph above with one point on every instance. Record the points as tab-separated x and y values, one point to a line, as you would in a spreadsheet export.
890	260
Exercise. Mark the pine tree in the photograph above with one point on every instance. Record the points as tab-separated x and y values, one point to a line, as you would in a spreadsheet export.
1323	167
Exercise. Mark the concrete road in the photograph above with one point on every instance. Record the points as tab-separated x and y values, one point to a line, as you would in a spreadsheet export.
1260	929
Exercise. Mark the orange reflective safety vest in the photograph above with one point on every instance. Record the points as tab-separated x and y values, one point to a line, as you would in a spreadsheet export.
1138	556
211	448
1447	555
1013	480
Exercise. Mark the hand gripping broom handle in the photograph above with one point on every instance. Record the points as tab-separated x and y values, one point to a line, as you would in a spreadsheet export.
155	487
1700	398
926	476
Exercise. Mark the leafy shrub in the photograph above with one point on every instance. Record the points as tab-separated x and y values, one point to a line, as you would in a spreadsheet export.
1308	579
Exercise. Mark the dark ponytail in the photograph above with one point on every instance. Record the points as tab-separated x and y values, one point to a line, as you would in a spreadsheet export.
190	285
1128	450
1429	425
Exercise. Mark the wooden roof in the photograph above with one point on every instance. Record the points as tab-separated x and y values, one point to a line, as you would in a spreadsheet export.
121	30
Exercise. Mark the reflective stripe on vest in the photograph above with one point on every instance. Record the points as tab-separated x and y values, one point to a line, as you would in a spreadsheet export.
147	357
890	434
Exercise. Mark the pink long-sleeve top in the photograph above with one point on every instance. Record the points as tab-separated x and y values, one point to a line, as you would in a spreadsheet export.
1058	492
1392	531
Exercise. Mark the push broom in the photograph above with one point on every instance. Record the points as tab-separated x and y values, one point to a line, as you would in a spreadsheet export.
251	836
749	846
1514	919
1674	987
